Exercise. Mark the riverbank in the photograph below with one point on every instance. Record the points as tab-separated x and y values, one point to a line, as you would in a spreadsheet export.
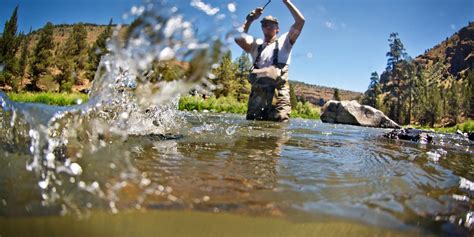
231	105
467	126
197	103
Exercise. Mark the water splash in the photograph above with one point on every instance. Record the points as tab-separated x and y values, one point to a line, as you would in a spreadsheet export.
130	96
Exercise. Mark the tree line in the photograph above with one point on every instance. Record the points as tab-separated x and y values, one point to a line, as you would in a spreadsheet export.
23	67
410	92
47	65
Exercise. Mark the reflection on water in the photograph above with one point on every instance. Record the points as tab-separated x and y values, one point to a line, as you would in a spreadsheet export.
301	171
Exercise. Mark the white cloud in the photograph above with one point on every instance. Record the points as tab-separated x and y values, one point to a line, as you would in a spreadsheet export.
453	26
330	25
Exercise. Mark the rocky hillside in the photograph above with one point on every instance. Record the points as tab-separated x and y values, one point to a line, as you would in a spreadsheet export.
457	52
319	95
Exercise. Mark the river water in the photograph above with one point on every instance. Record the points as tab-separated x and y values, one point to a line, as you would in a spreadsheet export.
302	172
129	163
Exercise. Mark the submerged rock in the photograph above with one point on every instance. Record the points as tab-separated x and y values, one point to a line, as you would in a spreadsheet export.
410	134
351	112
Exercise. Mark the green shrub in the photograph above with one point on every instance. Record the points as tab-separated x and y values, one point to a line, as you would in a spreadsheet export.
61	99
231	105
306	110
467	126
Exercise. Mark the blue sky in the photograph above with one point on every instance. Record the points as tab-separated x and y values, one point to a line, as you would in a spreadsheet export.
342	43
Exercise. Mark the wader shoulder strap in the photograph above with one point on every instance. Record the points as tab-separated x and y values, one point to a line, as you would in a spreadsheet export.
259	55
274	56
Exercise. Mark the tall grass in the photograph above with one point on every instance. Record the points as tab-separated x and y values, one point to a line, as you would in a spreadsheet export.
221	104
50	98
231	105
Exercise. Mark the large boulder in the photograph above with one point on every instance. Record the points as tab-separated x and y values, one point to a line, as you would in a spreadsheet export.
351	112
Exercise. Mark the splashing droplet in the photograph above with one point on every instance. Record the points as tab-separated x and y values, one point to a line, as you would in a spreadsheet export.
231	7
166	54
231	130
76	169
43	184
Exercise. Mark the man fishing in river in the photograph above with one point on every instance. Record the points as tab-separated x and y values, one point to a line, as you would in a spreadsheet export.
270	95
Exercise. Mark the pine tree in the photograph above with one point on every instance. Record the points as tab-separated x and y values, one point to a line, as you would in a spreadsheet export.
98	49
408	83
336	95
243	65
395	76
370	96
468	94
8	48
23	63
293	99
454	101
65	79
42	55
8	41
431	108
76	47
226	80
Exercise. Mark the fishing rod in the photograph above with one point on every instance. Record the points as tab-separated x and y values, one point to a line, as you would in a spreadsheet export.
266	4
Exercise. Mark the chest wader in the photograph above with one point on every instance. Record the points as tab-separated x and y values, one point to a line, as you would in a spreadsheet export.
270	97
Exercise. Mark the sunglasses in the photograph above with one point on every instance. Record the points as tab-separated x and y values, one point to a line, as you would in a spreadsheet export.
269	24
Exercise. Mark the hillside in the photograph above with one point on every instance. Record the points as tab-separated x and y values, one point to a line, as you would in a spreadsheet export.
319	95
434	89
60	35
457	52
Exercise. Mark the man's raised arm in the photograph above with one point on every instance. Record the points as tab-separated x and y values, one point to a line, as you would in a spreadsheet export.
255	14
297	27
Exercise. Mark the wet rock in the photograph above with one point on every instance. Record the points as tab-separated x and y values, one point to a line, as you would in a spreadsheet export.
351	112
410	134
471	136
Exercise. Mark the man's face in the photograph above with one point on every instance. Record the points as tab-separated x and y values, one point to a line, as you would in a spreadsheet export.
270	28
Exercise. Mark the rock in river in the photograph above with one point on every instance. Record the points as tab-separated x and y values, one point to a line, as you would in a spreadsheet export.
351	112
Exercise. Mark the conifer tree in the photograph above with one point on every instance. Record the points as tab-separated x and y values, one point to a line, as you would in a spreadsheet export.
23	63
243	65
98	49
42	55
8	48
226	76
293	99
336	95
395	76
370	96
8	41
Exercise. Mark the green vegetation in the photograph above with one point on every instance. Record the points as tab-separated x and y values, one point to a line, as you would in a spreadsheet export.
61	99
465	127
232	105
305	110
221	104
421	92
